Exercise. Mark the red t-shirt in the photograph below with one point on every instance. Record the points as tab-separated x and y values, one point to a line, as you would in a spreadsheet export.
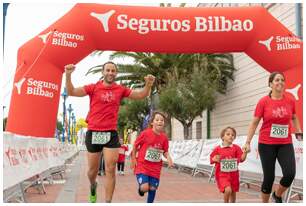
149	141
122	151
276	114
223	178
104	105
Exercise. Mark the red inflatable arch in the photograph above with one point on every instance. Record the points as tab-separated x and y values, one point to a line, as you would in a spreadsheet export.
88	27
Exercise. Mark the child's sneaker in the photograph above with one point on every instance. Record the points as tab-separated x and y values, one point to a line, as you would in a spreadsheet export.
141	193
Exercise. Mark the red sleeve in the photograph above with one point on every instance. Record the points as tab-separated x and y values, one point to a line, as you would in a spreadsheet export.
126	91
126	148
214	152
89	89
139	140
259	111
166	145
238	153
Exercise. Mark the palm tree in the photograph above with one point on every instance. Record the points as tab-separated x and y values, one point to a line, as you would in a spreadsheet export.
158	64
218	67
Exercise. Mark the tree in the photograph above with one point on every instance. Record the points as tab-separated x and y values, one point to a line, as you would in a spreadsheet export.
185	100
131	114
218	67
59	126
80	123
192	89
158	64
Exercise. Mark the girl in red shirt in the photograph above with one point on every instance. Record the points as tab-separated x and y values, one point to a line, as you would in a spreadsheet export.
151	144
121	158
275	141
226	158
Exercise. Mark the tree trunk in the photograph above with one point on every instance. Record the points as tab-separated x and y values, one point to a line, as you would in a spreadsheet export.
185	131
155	101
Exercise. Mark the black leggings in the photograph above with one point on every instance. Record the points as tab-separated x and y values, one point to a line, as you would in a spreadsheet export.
284	153
120	166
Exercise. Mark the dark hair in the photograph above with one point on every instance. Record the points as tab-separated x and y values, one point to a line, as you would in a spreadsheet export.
271	78
109	62
224	130
153	116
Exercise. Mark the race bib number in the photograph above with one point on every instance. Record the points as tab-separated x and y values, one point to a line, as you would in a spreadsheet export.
229	165
100	137
279	131
121	151
153	155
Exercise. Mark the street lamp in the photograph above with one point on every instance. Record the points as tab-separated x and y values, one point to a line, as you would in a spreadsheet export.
74	127
69	110
64	95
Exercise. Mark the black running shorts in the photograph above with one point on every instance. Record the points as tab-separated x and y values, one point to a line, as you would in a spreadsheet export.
92	148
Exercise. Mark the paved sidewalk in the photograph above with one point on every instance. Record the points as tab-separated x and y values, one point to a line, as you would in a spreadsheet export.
174	187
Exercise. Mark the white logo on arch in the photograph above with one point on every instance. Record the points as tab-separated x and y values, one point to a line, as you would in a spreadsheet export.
267	43
294	91
18	85
44	37
103	18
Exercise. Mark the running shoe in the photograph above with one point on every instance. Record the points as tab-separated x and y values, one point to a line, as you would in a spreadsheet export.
93	193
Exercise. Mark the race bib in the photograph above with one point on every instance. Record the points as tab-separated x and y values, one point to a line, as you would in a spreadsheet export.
100	137
153	155
229	165
121	151
279	131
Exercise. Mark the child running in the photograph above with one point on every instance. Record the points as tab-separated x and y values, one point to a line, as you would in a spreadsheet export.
226	158
151	144
121	159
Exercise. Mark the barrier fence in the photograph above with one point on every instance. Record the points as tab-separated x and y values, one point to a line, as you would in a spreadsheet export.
195	156
28	161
